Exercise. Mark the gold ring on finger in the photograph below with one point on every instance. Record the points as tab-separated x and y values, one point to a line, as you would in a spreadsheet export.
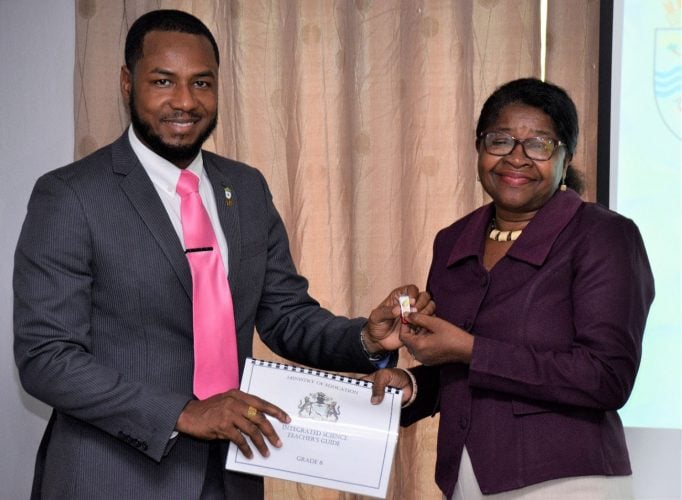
251	413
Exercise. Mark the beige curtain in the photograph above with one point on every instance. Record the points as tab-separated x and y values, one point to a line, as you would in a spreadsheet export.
361	115
573	63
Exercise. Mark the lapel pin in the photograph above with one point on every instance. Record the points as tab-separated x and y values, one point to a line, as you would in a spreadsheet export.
228	196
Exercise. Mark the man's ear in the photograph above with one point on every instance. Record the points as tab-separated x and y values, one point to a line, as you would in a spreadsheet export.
126	83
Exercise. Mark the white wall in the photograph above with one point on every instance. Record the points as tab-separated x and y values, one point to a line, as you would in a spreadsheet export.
37	46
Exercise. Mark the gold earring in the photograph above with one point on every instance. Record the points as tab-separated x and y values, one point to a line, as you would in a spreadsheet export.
563	183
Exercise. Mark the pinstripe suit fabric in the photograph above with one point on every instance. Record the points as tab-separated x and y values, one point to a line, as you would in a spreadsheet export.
103	322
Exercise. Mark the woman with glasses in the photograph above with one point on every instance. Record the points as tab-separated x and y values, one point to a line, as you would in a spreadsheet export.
541	301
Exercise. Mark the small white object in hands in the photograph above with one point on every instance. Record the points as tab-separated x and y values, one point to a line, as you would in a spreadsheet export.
405	308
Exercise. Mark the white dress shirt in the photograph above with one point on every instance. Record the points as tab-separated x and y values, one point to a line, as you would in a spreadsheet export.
165	176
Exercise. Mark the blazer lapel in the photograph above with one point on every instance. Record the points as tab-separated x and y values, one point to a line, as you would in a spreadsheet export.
227	200
139	189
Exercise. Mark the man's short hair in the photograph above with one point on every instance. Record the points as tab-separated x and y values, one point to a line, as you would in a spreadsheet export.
163	20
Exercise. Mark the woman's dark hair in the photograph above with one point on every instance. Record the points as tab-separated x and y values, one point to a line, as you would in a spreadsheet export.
548	98
163	20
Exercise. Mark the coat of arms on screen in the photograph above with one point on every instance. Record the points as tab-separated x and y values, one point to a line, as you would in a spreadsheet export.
668	71
319	406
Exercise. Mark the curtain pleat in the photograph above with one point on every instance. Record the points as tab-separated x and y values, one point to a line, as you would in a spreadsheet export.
361	116
573	63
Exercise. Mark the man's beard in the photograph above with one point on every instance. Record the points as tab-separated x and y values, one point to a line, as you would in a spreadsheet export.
172	153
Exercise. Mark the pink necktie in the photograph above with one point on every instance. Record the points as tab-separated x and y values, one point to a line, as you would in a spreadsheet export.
215	339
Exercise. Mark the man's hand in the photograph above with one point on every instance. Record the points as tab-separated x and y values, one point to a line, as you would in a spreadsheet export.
393	377
384	326
233	415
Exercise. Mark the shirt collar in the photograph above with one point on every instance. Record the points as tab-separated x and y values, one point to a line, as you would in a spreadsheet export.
537	239
163	173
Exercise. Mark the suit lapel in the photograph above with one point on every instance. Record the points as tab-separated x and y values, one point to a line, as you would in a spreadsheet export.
139	189
227	203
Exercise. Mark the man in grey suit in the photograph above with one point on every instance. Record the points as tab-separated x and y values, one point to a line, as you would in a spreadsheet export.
103	294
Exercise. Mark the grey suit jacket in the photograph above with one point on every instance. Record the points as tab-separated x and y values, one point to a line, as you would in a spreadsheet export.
103	321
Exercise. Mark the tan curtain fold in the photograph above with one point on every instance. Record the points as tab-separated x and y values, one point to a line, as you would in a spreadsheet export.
572	61
361	115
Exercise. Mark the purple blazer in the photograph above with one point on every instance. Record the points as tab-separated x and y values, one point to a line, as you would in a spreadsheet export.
558	326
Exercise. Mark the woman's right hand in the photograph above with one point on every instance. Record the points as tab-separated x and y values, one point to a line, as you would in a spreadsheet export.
393	377
437	341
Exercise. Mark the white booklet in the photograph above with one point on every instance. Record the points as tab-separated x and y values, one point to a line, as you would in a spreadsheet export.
336	439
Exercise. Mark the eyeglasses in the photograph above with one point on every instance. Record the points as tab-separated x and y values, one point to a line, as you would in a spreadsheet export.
535	148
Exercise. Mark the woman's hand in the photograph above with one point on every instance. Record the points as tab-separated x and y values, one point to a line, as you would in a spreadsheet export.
437	341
